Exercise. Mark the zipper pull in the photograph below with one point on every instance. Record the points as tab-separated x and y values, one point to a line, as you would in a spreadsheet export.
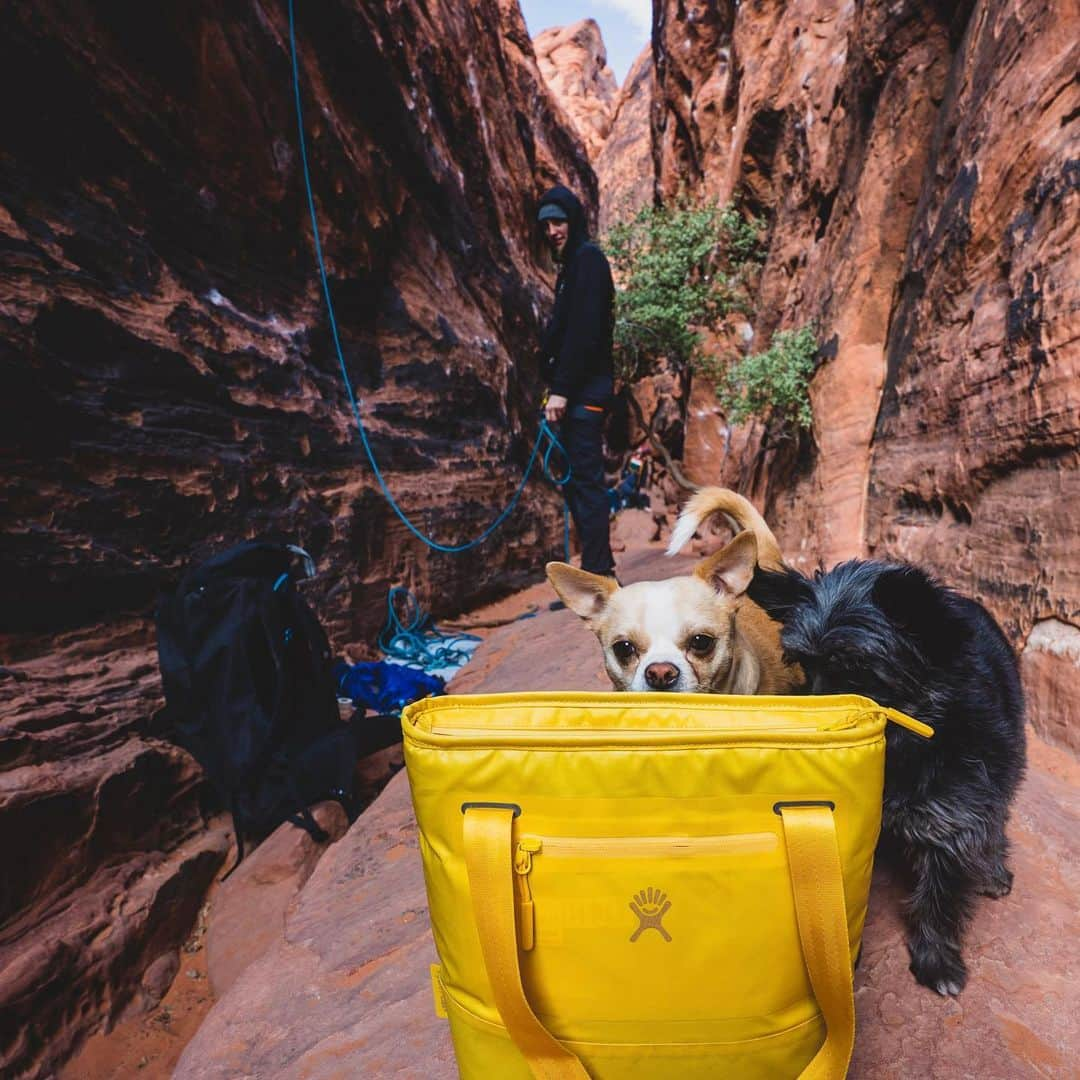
523	857
527	847
909	723
841	725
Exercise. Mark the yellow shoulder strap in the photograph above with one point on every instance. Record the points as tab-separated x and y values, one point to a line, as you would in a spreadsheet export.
817	883
488	858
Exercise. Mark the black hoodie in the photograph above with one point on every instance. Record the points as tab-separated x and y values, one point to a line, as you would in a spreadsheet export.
575	350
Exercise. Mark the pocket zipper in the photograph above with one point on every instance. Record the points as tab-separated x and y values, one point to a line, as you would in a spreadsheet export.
909	723
618	847
526	848
670	846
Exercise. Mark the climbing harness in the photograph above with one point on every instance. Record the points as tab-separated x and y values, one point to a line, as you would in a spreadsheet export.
544	437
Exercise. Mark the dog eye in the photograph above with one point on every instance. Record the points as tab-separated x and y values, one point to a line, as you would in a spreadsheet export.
624	651
701	644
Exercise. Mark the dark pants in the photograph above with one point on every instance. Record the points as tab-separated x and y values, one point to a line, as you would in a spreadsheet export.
582	433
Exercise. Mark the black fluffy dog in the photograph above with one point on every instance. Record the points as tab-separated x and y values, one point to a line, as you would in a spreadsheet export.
893	634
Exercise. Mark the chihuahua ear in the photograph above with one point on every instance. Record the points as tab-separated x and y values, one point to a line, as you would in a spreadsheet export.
730	569
583	593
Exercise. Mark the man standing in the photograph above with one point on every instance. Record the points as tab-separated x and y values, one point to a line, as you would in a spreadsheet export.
575	362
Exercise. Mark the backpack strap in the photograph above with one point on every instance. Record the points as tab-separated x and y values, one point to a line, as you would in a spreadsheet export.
303	817
238	832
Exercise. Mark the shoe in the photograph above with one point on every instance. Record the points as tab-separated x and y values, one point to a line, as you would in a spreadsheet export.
556	605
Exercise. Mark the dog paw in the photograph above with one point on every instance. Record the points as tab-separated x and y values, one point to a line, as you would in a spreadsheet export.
943	971
998	886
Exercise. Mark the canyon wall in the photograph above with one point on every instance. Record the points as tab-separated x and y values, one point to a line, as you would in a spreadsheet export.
172	384
574	65
624	166
171	388
918	168
614	123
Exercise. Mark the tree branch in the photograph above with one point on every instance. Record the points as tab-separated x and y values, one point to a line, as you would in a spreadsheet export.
677	474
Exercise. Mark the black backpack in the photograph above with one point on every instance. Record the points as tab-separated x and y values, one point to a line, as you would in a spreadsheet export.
249	691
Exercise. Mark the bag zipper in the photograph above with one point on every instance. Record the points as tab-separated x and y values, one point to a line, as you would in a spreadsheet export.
909	723
668	846
618	847
451	728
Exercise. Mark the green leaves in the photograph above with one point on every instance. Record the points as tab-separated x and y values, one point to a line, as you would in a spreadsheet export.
775	382
679	269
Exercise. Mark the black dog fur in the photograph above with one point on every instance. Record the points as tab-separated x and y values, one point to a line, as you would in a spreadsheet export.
892	633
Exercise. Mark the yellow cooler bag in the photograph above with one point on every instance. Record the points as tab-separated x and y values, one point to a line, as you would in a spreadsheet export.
647	885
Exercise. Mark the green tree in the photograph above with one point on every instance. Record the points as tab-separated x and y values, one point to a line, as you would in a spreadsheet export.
774	383
679	270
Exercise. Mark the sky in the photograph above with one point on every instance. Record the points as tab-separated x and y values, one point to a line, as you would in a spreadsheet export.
624	24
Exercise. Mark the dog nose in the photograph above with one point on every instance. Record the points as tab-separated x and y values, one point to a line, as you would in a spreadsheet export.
661	676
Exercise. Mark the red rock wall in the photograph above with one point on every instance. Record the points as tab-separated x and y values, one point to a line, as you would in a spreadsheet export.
573	62
170	387
614	123
977	441
171	384
918	168
624	166
107	855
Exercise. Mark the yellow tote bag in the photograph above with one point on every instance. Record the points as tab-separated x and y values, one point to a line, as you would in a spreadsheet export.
647	885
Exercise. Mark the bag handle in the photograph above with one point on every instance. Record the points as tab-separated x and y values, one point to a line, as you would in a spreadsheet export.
488	835
817	884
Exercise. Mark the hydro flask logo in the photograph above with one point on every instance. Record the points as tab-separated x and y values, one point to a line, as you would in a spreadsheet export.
650	906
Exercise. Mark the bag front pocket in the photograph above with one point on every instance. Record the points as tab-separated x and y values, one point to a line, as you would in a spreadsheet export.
666	931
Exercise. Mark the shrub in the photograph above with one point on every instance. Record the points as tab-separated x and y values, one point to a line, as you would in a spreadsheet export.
678	270
775	382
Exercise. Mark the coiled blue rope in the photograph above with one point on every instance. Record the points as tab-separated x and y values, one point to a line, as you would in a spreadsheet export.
544	436
410	636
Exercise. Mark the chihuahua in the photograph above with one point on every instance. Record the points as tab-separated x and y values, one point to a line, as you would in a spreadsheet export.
697	633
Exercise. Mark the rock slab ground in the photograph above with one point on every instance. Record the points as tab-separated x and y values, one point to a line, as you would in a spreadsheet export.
249	913
347	993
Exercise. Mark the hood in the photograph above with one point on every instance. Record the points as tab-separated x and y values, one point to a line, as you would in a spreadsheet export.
570	204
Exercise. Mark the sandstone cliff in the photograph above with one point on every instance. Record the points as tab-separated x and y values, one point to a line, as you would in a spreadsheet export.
624	166
917	166
172	383
171	387
614	123
573	63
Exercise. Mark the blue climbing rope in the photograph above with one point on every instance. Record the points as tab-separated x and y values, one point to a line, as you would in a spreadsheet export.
544	436
410	637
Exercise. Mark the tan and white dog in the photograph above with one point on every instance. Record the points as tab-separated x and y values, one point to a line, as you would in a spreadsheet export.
697	633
